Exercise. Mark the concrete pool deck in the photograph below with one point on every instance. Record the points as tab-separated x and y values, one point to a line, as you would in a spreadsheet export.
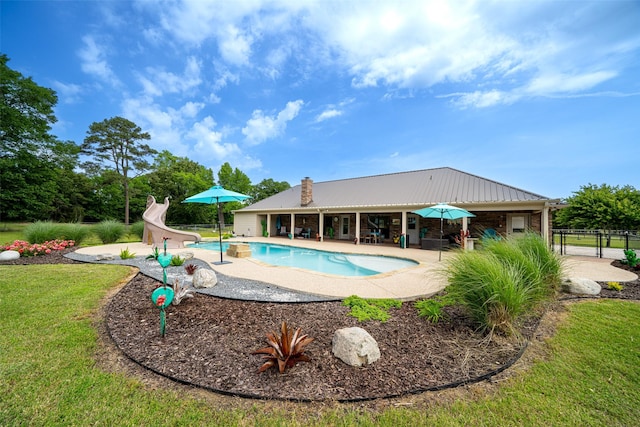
410	283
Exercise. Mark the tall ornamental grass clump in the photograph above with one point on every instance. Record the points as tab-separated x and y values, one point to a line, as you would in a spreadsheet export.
76	232
109	231
47	231
137	229
549	263
508	279
42	231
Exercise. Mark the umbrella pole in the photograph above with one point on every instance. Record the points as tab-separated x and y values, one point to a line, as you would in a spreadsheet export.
441	234
219	229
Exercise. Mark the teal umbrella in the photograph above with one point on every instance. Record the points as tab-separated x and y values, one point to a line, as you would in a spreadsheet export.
217	194
443	211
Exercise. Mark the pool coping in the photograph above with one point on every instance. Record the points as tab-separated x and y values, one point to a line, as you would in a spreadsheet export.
250	279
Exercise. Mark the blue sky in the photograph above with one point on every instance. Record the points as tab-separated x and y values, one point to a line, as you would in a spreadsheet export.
541	95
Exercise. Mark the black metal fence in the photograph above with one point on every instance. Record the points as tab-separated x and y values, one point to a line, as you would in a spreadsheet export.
598	243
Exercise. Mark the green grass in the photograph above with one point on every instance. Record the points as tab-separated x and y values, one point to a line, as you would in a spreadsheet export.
48	375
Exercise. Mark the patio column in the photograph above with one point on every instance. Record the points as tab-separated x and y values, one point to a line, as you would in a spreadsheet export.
321	225
465	228
357	228
269	225
404	224
544	226
293	225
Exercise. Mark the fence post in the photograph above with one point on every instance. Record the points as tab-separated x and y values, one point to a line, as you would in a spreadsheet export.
626	240
599	244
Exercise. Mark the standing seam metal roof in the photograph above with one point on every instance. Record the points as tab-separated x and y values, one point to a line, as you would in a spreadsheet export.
422	187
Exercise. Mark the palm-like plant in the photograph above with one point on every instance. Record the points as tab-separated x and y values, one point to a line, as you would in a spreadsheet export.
285	350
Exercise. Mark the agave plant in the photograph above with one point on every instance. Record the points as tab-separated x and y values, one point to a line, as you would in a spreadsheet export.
190	269
284	351
180	292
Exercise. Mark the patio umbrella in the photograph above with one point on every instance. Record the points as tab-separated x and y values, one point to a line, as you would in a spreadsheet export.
217	195
443	211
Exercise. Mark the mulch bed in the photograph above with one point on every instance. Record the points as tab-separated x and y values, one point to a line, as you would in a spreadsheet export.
209	341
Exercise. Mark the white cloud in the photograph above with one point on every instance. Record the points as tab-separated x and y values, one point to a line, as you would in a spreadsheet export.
567	83
260	127
69	93
158	81
328	114
209	141
94	63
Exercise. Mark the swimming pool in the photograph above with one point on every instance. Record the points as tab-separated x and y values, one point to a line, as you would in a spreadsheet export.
338	263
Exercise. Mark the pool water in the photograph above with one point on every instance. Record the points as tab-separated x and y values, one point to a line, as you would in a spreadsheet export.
341	264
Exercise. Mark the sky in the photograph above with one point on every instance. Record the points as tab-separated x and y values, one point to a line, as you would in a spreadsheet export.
540	95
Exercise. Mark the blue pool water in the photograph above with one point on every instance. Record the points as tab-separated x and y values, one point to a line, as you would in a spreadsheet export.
338	263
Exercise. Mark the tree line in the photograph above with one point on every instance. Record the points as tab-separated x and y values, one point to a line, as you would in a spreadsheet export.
43	178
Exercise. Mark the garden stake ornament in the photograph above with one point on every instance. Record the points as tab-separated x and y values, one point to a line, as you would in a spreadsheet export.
163	296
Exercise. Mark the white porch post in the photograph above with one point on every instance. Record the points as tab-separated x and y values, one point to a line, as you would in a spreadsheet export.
268	225
465	228
544	226
404	226
357	228
293	225
321	226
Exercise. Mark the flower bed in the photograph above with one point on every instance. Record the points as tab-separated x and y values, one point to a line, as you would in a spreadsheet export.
28	249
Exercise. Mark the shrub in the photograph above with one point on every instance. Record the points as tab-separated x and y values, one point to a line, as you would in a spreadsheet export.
548	262
432	309
494	291
109	231
76	232
137	229
177	261
616	286
631	258
370	309
126	254
34	249
42	231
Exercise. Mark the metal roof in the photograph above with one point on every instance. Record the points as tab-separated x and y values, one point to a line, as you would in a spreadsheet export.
422	187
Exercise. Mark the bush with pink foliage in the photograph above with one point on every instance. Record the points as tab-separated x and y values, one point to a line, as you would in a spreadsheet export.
35	249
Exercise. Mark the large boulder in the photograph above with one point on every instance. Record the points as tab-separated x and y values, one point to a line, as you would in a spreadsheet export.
581	286
355	347
9	255
204	278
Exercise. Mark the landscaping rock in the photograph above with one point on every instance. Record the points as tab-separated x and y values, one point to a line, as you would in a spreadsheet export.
204	278
582	286
105	257
355	347
9	255
186	255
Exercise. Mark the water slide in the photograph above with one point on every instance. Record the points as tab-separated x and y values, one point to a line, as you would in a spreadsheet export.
155	229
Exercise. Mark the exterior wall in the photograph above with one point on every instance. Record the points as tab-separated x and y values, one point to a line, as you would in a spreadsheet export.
246	224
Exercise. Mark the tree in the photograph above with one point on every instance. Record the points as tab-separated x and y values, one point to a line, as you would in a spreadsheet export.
117	140
234	180
30	157
267	188
179	178
601	208
26	112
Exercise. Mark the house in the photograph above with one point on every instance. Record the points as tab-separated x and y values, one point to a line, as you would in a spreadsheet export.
379	207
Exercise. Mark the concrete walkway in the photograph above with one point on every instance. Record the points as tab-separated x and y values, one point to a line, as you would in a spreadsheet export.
411	283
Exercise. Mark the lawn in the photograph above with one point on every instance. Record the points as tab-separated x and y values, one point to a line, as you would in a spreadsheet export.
48	374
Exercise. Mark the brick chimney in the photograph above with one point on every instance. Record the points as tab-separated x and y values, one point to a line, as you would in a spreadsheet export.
306	193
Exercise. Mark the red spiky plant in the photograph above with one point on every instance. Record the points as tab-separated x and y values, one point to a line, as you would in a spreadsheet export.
284	351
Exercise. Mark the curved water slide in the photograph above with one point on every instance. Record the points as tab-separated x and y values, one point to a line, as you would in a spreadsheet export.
155	229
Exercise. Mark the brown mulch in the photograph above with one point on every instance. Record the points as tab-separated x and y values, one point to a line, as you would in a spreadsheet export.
209	341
